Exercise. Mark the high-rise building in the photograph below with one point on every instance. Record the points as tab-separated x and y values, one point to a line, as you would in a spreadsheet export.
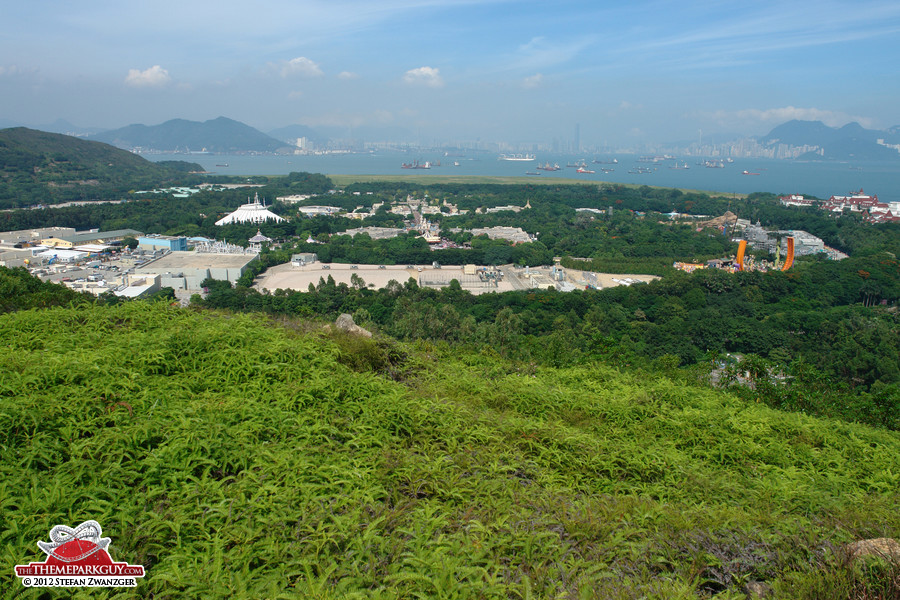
577	137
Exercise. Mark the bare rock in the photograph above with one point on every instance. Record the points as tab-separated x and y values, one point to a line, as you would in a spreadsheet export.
758	589
345	323
886	548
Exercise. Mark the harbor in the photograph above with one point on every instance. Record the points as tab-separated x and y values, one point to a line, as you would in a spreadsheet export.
714	174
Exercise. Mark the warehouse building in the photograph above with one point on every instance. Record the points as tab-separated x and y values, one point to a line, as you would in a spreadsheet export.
187	270
163	242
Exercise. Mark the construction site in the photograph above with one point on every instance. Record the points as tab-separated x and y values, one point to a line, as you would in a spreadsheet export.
472	278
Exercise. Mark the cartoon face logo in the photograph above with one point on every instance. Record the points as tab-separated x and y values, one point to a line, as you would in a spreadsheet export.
78	557
84	542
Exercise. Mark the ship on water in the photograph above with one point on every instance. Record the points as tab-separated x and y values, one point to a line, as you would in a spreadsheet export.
416	165
517	157
548	167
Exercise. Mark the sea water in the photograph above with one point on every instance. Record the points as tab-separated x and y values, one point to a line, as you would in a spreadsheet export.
820	179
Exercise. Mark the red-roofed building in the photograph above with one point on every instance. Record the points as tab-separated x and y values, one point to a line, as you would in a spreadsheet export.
877	215
857	201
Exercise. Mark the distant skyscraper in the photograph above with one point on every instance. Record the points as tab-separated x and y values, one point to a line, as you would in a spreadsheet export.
577	137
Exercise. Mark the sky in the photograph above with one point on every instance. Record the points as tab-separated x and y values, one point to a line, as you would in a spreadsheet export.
449	71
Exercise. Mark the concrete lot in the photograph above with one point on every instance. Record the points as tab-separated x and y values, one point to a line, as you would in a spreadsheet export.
523	278
289	277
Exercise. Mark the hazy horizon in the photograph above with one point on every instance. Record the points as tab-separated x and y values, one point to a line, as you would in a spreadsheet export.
456	70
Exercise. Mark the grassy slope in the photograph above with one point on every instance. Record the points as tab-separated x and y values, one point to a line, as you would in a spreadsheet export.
79	154
234	457
50	167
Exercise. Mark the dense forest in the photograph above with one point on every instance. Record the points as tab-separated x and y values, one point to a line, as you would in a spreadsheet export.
636	238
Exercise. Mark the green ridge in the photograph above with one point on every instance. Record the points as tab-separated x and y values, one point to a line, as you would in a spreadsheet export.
37	167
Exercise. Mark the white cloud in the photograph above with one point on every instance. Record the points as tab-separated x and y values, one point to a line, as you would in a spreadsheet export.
533	81
347	75
300	66
426	76
155	76
541	53
383	116
739	37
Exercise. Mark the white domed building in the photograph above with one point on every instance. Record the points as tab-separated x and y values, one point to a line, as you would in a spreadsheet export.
252	212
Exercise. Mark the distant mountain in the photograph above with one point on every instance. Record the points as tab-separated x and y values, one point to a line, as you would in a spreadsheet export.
291	133
322	135
369	132
220	135
57	126
39	167
850	142
63	126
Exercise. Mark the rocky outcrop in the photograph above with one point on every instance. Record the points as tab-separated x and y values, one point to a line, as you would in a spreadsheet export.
886	548
345	323
758	589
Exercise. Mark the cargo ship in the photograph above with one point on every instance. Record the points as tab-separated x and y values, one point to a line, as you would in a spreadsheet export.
416	165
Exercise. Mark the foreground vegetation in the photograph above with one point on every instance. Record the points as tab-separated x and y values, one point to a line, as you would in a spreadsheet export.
240	456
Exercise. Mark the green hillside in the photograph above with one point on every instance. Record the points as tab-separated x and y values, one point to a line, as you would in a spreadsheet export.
237	456
37	167
221	135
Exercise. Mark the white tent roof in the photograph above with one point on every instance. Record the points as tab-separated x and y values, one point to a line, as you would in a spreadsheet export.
92	247
260	238
62	254
252	212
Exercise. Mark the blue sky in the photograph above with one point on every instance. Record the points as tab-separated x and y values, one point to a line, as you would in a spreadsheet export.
448	70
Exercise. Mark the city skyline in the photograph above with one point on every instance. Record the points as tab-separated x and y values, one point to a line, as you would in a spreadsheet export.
523	72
